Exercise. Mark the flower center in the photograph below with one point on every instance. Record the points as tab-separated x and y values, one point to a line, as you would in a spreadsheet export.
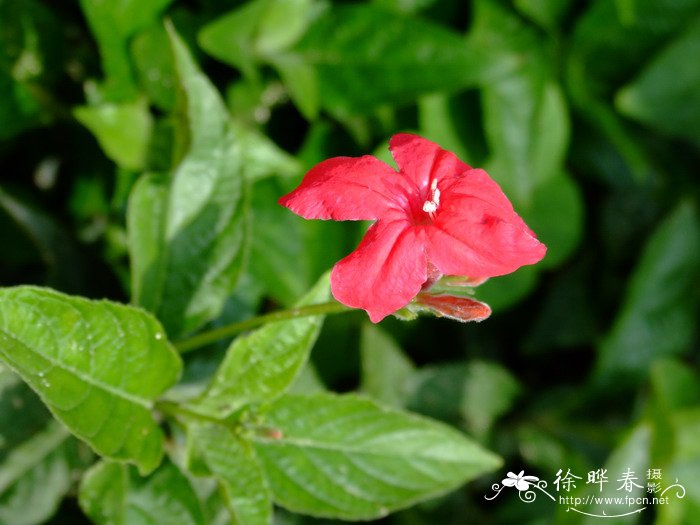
431	206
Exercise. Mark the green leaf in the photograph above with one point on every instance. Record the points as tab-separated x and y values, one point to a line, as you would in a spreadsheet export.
525	113
38	456
98	366
155	67
674	387
232	462
476	393
687	423
657	318
114	22
386	370
556	214
684	467
675	384
35	476
613	39
541	448
664	94
405	6
566	317
230	38
212	498
21	412
349	458
26	456
288	254
302	84
257	29
123	130
489	392
527	128
187	235
114	494
263	28
283	23
363	56
145	223
279	260
547	13
522	123
307	382
262	158
262	365
445	122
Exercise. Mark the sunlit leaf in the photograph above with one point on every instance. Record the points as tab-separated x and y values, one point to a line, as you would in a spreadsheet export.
261	366
123	130
233	464
113	22
98	366
155	67
187	234
348	458
259	28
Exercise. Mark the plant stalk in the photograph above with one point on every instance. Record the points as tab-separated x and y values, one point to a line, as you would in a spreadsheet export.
222	332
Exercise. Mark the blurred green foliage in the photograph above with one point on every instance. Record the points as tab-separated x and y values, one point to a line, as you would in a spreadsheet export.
587	113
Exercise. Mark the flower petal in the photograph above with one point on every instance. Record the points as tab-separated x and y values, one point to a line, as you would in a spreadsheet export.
344	189
385	272
422	160
477	233
509	482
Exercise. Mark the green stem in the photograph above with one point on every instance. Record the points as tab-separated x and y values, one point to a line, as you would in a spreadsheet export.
211	336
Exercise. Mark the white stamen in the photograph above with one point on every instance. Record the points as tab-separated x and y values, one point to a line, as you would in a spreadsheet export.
436	192
431	206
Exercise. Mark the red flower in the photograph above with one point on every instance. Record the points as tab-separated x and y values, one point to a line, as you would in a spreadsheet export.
435	211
